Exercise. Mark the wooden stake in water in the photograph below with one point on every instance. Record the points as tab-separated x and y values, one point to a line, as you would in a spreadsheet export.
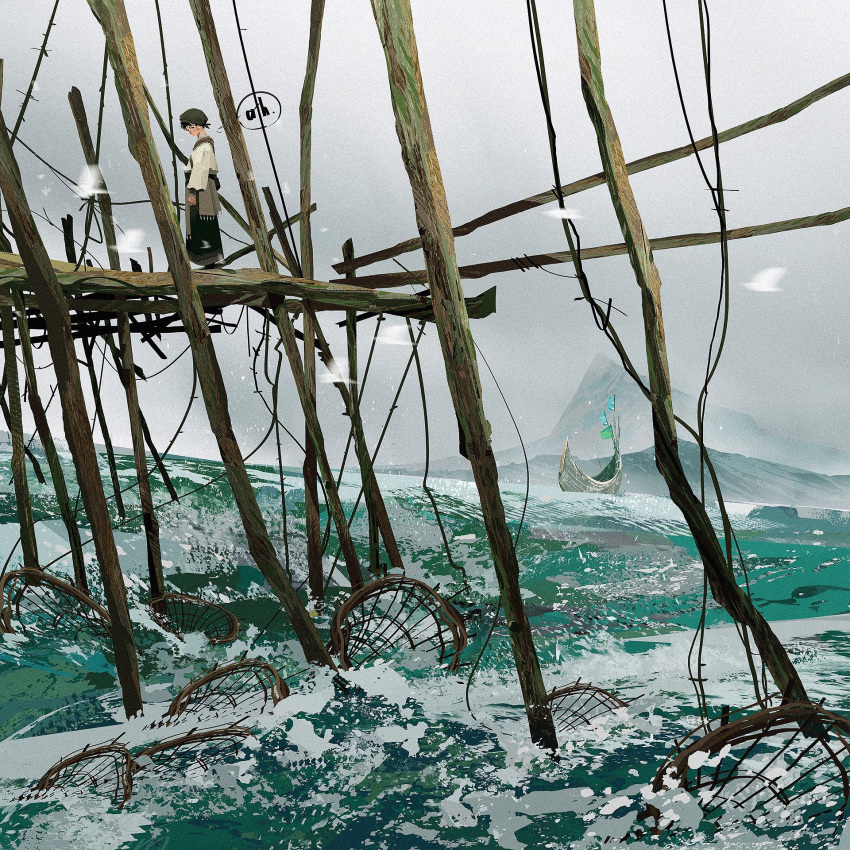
413	125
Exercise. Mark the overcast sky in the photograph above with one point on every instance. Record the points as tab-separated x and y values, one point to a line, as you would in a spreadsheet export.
785	361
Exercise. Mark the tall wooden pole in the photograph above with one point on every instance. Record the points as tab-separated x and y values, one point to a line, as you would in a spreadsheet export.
375	510
122	54
45	435
5	245
53	307
19	469
718	569
413	125
128	379
311	490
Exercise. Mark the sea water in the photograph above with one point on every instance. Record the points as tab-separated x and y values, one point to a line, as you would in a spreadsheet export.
391	756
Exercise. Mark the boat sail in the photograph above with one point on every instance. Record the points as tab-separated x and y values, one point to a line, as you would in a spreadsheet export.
572	480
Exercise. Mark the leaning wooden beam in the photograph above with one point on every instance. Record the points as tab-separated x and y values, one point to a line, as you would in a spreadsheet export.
287	333
718	569
19	470
45	435
51	303
662	243
122	54
413	125
128	379
638	165
88	349
7	418
99	186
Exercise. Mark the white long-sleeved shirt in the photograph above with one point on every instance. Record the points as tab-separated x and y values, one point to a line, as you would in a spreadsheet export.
201	163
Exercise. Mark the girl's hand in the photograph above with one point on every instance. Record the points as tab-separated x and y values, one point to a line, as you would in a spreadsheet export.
192	200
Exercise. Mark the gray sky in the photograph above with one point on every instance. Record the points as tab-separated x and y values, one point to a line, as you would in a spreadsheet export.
784	361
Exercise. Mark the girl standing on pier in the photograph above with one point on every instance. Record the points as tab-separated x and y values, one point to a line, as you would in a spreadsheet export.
203	237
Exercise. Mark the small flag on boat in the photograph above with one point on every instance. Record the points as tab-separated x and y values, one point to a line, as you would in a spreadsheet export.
607	433
603	418
610	402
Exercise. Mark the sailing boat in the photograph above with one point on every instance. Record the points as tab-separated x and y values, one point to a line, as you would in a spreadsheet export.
572	480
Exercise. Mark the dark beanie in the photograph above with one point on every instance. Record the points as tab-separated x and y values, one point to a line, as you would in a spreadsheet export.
194	116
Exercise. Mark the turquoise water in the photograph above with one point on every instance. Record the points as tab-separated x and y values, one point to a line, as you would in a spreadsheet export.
392	757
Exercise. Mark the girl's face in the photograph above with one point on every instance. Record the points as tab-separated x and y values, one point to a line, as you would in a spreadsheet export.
194	129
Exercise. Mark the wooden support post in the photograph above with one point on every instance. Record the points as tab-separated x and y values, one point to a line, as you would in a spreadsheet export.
128	379
314	435
718	569
88	349
395	25
19	470
311	490
7	418
104	201
68	234
51	303
54	463
122	54
362	451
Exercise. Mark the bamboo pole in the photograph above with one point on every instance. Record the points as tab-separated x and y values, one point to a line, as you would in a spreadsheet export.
659	243
395	24
128	379
310	468
88	350
315	438
635	167
45	435
104	201
721	578
51	303
29	546
122	53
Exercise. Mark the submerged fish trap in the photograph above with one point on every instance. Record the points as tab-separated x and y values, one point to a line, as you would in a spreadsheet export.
34	600
193	753
106	770
580	704
181	614
392	613
782	766
243	686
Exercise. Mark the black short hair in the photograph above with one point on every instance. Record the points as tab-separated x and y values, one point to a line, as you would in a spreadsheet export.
185	124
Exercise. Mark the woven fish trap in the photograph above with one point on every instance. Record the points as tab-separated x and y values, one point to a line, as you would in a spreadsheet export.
580	704
181	613
248	687
193	753
33	600
782	766
395	612
106	770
